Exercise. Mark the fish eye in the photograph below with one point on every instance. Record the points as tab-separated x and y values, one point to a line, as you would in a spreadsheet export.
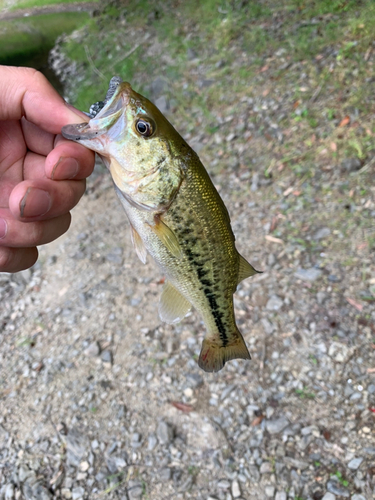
145	127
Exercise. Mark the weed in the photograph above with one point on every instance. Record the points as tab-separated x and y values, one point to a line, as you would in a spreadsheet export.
305	394
341	479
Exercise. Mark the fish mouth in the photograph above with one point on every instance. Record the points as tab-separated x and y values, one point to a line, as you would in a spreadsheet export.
103	114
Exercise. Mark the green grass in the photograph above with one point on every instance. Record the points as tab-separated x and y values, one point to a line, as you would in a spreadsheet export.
25	38
27	4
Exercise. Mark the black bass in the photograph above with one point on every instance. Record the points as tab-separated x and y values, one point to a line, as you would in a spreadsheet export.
175	214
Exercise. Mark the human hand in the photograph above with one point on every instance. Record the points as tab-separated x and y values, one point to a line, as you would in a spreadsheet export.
42	175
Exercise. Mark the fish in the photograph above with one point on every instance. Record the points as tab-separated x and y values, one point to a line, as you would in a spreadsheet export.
176	215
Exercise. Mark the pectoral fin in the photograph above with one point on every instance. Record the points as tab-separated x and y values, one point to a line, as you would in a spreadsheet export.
138	245
167	236
245	270
172	306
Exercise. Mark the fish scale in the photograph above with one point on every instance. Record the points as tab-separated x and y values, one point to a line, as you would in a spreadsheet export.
176	216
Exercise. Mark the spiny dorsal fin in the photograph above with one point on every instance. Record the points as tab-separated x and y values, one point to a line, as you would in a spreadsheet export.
172	306
245	270
138	245
167	236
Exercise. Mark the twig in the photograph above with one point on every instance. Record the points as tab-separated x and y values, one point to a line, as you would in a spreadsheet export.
366	167
316	93
133	49
95	69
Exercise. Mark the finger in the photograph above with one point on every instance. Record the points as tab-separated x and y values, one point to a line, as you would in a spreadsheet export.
44	199
33	166
37	140
17	234
13	260
12	149
69	160
26	92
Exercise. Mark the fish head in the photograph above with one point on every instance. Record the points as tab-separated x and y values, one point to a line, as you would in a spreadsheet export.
137	143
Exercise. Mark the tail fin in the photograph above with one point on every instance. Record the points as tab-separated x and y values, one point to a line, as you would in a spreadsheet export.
213	356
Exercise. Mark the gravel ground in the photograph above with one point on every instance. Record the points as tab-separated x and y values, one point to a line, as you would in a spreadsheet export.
101	400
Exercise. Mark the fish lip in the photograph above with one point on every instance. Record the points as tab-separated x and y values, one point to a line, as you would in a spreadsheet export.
118	99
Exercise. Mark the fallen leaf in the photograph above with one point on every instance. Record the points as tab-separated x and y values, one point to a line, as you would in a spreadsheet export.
182	406
326	435
334	146
266	92
297	193
273	239
288	191
355	304
273	224
264	68
370	370
363	245
296	104
257	420
345	121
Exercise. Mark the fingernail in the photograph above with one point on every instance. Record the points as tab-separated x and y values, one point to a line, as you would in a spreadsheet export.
65	168
3	228
36	202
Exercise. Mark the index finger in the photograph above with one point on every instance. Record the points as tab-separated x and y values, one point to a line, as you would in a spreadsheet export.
26	92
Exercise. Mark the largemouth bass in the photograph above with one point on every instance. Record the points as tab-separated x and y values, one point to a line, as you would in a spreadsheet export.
175	213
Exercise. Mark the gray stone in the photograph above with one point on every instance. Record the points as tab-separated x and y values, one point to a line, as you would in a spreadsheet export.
310	274
269	491
277	425
339	352
322	233
355	463
267	325
370	450
165	474
162	103
297	464
107	357
164	432
351	164
158	86
223	484
236	492
358	497
274	303
9	492
336	488
329	496
92	350
78	493
194	380
254	473
135	489
280	495
152	442
266	468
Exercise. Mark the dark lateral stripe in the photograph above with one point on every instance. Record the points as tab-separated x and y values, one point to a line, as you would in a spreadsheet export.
211	297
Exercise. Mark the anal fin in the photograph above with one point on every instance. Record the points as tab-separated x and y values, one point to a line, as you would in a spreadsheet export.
245	270
167	236
213	356
173	306
138	245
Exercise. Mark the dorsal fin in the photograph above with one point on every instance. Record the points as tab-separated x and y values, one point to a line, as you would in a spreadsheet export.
245	270
173	306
